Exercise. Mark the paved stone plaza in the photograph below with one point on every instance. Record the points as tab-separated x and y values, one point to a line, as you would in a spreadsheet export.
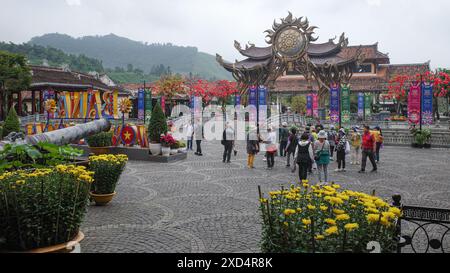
204	205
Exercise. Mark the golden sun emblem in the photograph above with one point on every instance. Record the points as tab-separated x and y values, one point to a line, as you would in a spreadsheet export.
290	43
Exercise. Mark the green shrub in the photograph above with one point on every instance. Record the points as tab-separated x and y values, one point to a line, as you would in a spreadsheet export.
158	124
48	209
421	137
12	123
103	139
107	170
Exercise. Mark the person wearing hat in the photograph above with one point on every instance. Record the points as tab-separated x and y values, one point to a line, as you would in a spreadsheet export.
355	141
332	140
284	135
252	146
342	148
322	155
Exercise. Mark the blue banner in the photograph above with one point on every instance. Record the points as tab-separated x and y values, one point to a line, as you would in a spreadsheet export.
237	100
361	105
252	96
427	104
309	105
262	93
334	104
141	104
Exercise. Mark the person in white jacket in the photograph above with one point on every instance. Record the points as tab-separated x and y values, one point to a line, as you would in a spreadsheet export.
304	156
189	135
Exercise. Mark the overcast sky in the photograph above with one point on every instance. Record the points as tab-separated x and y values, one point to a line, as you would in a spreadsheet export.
410	31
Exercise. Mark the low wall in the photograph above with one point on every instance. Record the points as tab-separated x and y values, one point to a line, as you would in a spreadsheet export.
439	138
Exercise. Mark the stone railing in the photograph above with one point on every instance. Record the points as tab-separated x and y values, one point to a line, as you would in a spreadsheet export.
439	138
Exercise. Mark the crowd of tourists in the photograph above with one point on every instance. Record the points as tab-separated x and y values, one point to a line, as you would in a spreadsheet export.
314	148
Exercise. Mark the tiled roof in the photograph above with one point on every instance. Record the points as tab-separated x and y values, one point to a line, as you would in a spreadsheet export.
370	52
43	76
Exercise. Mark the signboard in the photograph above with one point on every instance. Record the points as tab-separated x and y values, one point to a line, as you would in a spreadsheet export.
252	94
414	103
334	103
427	104
237	100
345	100
262	98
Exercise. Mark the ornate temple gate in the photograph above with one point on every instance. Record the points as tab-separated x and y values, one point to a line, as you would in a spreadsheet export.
290	47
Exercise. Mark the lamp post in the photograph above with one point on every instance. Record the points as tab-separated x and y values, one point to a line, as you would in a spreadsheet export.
340	105
421	100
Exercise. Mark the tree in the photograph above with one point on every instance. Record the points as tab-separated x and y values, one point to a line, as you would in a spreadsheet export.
129	68
298	104
12	123
170	86
158	124
15	75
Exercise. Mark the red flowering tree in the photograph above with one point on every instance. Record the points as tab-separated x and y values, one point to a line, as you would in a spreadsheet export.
170	86
400	84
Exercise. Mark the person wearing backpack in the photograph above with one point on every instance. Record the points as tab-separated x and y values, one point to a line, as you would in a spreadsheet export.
342	149
322	155
284	135
252	146
291	146
304	155
332	140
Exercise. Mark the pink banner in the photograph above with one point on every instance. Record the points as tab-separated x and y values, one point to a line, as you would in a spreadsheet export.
163	104
414	104
315	105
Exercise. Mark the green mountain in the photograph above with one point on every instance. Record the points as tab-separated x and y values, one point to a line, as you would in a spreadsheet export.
38	55
117	52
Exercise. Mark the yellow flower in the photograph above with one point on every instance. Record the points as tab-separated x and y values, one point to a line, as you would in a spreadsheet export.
319	237
338	211
289	212
263	200
334	200
286	224
336	186
323	208
332	230
385	221
299	210
372	210
396	211
343	217
389	215
351	227
20	182
380	203
306	222
305	181
373	218
311	207
331	222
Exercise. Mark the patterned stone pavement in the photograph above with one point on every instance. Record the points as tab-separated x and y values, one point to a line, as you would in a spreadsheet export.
204	205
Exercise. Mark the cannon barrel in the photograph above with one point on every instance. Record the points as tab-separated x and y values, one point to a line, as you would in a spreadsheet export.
71	134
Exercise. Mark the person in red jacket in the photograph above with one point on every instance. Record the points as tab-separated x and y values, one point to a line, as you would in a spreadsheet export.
368	150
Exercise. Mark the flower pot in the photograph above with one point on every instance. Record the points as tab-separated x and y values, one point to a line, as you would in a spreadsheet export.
68	247
102	199
182	150
100	150
165	151
173	151
155	148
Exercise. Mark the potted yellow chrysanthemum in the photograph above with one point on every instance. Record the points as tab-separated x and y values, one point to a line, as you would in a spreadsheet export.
308	218
107	170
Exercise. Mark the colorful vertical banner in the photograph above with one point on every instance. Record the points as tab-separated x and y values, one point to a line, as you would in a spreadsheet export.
315	105
252	94
345	101
334	103
414	103
368	104
141	104
163	104
237	100
361	105
262	98
148	105
427	104
309	105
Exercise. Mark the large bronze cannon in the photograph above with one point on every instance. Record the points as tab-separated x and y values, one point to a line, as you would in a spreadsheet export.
71	134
